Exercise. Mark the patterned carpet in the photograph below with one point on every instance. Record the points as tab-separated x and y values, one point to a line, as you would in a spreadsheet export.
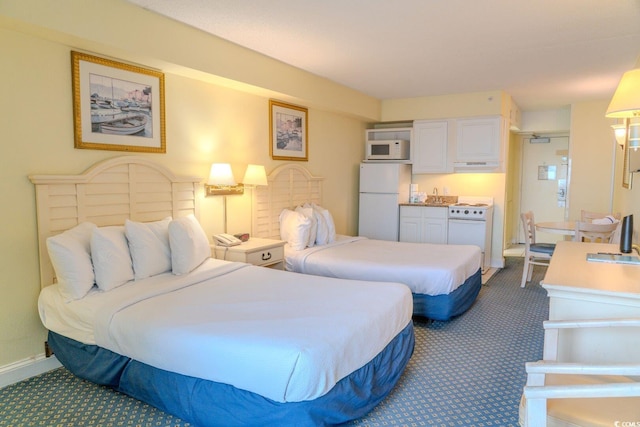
465	372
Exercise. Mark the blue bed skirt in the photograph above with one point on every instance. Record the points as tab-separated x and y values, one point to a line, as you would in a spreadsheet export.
446	306
207	403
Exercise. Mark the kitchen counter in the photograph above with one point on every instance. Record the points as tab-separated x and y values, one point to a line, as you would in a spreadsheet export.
444	202
427	204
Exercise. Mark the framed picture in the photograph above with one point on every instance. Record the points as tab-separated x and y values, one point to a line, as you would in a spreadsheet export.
117	106
287	131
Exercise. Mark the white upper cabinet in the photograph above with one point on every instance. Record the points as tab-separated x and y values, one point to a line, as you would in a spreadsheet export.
479	143
430	151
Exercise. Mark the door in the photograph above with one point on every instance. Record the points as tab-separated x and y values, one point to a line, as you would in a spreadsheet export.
379	216
544	182
379	177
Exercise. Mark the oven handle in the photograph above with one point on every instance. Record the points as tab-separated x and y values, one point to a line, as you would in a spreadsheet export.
459	220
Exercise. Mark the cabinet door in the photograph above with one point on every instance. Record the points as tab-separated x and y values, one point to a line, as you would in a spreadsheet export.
435	230
411	224
430	145
478	140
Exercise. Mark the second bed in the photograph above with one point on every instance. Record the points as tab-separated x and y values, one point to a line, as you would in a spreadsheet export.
445	280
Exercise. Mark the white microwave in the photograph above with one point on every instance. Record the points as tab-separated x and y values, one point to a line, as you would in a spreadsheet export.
392	149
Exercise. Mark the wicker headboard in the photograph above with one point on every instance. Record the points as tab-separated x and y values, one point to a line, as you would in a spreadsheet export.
289	185
106	194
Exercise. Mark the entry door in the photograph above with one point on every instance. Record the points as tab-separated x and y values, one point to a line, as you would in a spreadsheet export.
544	182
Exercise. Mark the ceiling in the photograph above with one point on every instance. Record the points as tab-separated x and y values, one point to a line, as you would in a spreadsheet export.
545	53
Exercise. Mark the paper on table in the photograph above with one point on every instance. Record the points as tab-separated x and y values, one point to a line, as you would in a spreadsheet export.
613	258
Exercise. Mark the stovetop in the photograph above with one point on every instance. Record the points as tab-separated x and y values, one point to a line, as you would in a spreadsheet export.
471	207
475	205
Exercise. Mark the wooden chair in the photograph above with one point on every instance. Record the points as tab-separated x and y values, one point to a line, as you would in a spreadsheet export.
534	253
588	231
580	394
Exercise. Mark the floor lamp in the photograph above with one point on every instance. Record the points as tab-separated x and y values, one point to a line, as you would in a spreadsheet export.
254	176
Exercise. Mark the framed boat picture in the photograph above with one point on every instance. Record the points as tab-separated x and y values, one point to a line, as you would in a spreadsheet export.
287	131
117	106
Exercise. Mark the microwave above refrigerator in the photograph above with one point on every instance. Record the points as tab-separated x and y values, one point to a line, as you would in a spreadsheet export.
392	149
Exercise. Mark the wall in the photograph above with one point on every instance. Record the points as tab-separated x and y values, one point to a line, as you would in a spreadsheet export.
591	152
209	118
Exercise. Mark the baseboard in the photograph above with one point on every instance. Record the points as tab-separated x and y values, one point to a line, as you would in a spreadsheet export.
27	368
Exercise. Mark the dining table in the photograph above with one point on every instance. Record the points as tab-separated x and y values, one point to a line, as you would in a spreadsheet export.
567	228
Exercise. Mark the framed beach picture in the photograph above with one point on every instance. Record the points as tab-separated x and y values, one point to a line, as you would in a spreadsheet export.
117	106
288	138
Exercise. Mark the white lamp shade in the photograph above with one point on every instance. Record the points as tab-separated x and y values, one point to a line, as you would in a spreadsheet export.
255	175
626	100
221	174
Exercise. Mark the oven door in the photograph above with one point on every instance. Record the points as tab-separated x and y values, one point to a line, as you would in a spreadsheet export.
466	232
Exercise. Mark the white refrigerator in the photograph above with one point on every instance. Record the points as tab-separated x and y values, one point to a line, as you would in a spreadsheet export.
383	186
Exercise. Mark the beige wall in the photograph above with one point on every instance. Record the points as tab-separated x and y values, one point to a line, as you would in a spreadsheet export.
208	119
591	153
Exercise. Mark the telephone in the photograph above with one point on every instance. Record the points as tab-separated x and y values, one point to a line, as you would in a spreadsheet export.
224	239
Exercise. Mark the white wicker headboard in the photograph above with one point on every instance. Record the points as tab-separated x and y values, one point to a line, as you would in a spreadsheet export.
106	194
289	185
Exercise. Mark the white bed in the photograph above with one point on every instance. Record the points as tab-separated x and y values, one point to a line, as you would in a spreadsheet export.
221	343
444	279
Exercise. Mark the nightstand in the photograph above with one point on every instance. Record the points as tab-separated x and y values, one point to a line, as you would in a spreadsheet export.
256	251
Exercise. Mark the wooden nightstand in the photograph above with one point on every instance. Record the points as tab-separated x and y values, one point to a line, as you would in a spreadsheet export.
256	251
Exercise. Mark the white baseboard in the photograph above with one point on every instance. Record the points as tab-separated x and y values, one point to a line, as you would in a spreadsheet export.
27	368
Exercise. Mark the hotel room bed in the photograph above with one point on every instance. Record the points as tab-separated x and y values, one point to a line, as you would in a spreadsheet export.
445	280
210	341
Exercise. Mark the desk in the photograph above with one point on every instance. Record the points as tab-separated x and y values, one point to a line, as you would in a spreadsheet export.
580	289
567	228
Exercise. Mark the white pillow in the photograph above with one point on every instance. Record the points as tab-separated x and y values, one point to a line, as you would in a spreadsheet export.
111	257
313	229
70	254
322	230
189	244
294	229
331	227
149	247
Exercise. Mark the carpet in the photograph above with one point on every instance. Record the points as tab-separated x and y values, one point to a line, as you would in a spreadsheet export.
468	371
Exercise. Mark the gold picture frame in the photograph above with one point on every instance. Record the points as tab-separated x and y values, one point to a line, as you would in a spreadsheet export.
288	131
117	106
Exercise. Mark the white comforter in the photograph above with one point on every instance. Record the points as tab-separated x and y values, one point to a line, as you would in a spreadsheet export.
285	336
426	268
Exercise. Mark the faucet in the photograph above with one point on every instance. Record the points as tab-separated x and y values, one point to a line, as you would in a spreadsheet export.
435	193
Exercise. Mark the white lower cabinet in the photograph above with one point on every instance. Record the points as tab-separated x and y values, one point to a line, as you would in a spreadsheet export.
423	224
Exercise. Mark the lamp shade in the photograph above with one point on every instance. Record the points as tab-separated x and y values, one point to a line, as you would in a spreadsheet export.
255	175
221	174
626	100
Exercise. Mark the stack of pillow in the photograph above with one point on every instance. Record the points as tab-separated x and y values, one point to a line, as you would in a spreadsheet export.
109	257
306	226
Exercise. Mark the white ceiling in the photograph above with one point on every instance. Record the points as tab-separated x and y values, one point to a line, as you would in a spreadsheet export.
545	53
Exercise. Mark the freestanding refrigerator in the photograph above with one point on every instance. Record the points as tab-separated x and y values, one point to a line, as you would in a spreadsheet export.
383	186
